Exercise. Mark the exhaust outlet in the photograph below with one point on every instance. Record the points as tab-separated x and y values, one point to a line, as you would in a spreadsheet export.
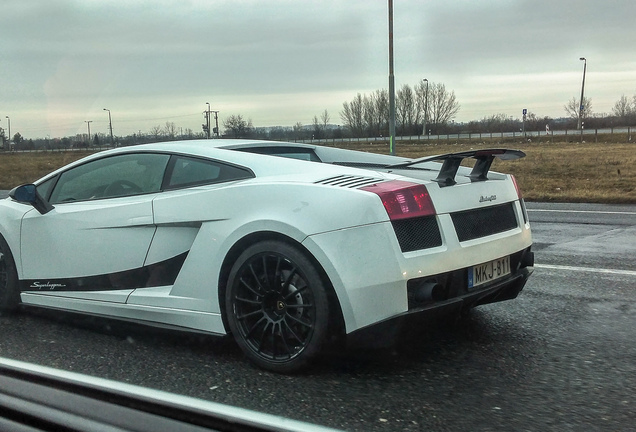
429	291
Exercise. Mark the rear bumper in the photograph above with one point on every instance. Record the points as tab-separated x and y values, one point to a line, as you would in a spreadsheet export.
384	333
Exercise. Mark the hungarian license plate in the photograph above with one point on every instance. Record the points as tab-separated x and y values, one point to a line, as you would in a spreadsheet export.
488	271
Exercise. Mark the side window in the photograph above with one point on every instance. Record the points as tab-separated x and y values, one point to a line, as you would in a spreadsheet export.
187	171
44	188
110	177
301	153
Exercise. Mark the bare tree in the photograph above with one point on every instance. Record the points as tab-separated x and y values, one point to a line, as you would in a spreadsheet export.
443	106
352	115
320	125
170	130
623	108
156	132
380	125
324	119
370	114
238	126
572	108
421	105
317	128
405	109
298	130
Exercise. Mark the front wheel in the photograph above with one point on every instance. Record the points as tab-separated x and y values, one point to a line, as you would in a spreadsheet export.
277	306
9	293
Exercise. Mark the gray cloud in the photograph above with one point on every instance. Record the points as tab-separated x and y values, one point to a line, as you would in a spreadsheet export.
283	61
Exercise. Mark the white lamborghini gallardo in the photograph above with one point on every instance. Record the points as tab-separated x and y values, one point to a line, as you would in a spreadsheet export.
283	245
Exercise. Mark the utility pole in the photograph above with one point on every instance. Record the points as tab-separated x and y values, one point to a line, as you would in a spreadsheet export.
391	84
110	123
88	122
9	124
581	106
207	120
216	122
425	107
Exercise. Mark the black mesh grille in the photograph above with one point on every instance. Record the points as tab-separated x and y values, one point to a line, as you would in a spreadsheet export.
472	224
417	233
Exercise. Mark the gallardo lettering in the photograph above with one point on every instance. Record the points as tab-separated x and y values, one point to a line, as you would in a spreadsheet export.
487	198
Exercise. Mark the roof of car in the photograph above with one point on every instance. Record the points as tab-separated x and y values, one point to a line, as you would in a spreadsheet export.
224	150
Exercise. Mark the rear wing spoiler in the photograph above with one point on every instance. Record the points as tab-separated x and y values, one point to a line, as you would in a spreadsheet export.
452	161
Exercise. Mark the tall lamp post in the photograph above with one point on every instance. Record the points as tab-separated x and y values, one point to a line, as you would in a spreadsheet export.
9	125
110	124
391	84
581	106
425	107
88	122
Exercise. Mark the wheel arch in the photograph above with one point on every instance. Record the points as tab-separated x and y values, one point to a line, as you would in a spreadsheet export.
11	214
336	317
9	282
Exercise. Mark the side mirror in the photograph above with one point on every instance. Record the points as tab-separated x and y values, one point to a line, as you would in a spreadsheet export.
28	194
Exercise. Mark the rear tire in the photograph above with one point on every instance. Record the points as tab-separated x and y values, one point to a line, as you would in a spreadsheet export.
9	292
277	306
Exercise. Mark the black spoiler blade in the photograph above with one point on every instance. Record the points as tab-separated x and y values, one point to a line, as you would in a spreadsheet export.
452	161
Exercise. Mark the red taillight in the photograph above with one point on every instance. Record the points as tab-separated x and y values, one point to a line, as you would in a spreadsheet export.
403	199
514	181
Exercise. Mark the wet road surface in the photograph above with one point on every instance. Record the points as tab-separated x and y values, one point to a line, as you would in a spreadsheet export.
560	357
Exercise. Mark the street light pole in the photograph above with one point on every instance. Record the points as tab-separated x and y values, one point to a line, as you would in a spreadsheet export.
391	84
9	124
207	118
425	107
88	122
581	106
110	123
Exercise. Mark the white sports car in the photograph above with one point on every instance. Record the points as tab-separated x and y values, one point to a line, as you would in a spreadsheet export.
285	246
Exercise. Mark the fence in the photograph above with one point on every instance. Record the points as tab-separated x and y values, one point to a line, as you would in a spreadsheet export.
621	134
618	134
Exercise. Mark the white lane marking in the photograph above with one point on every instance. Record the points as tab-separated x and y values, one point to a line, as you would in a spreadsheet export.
587	269
581	211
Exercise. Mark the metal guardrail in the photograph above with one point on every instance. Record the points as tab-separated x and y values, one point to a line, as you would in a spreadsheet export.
479	135
410	138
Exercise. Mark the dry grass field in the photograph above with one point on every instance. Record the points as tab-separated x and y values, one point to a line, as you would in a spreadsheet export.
560	172
19	168
598	172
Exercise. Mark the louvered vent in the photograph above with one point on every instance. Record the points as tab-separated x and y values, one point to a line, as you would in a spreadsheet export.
349	181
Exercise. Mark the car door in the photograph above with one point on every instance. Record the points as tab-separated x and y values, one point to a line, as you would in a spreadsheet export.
94	243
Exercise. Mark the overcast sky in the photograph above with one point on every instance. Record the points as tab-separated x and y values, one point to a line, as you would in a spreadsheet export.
280	62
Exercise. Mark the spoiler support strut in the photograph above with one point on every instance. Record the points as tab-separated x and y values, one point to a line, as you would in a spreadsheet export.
452	162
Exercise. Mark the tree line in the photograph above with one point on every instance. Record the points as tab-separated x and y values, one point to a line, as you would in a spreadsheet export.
421	110
426	107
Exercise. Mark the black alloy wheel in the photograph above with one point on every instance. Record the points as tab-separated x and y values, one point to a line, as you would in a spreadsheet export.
9	294
277	306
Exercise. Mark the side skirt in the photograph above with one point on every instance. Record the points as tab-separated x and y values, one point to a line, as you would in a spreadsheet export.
180	319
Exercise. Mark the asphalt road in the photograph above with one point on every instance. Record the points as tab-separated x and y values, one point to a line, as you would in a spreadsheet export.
560	357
